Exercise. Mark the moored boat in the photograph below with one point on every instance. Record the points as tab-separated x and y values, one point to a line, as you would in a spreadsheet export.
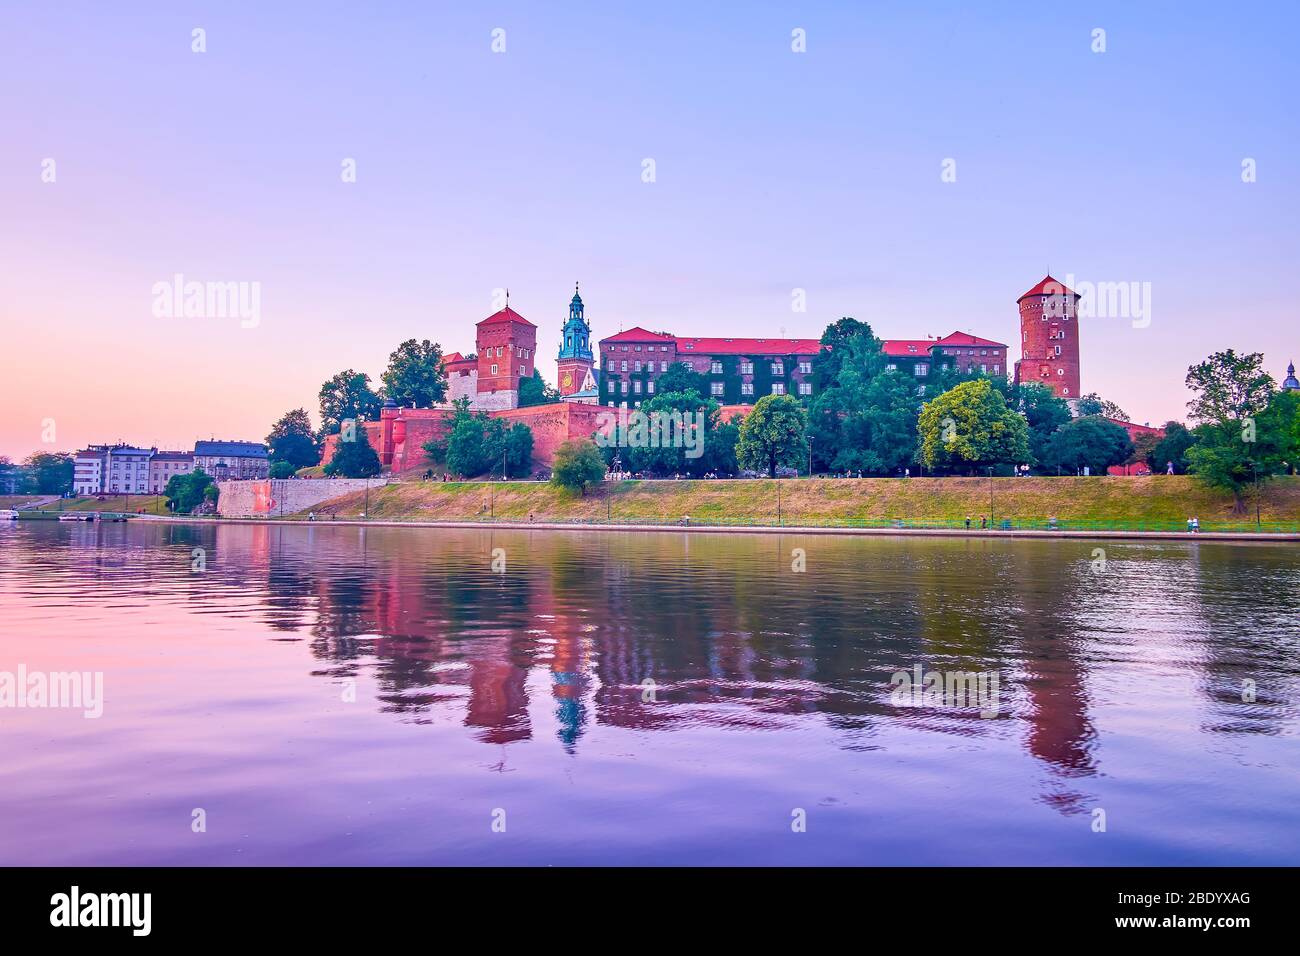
8	514
77	516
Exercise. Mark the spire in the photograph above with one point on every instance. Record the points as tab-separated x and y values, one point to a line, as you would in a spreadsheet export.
1291	384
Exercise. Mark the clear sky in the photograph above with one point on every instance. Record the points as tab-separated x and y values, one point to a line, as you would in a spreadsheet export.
476	170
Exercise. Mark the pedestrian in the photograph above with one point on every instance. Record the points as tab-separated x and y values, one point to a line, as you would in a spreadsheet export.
1196	525
984	522
907	472
968	522
311	516
1189	525
1169	468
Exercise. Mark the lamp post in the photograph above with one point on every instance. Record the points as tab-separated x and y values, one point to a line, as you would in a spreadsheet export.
1254	467
990	497
778	502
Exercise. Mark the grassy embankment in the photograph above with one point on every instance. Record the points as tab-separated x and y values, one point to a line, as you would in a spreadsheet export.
1155	503
127	504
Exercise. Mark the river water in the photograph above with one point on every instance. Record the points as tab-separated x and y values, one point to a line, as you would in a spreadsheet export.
311	694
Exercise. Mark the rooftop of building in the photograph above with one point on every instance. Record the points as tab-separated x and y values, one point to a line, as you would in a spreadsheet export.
232	449
1049	286
506	315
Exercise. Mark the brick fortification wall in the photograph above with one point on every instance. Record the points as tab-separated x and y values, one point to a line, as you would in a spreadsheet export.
250	499
399	437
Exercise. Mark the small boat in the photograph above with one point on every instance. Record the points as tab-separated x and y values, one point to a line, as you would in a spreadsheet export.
8	514
77	516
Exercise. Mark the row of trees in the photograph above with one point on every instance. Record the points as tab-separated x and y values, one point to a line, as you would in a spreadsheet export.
43	473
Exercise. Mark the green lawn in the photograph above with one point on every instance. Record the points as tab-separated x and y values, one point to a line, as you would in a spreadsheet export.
1155	502
130	504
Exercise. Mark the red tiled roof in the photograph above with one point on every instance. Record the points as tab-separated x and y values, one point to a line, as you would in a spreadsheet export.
638	334
1048	286
966	339
904	347
711	346
506	315
1135	429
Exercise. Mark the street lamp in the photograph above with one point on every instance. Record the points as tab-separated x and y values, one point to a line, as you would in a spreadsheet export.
990	497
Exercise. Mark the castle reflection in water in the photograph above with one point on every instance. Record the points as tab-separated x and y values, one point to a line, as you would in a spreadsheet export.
657	631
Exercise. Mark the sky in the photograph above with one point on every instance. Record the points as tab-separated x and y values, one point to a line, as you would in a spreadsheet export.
127	158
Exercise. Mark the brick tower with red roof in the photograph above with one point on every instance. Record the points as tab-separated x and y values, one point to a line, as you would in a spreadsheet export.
1049	339
507	354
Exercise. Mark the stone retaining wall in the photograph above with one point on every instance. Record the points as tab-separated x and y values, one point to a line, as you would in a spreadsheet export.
271	497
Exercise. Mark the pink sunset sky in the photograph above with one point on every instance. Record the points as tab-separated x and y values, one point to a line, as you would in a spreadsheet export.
775	170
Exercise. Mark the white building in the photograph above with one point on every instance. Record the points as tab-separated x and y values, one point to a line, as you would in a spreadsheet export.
126	470
88	470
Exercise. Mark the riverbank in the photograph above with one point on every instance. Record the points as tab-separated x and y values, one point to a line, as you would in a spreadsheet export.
890	531
1099	504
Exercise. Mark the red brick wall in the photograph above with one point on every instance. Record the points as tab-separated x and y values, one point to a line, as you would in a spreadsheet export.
510	337
412	427
1039	338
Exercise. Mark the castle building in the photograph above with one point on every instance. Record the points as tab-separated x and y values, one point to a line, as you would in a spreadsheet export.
575	361
507	351
743	370
1290	383
1049	339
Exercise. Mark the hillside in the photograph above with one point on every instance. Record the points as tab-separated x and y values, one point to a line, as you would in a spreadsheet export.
1155	502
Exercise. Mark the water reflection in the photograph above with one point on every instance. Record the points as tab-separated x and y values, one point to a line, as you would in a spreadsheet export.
664	632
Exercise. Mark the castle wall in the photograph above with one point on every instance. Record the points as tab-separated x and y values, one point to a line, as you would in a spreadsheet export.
250	499
411	428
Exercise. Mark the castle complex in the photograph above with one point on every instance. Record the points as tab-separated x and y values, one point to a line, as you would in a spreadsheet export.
739	371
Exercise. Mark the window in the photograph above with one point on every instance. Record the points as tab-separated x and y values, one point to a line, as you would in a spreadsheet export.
622	348
498	351
891	367
715	388
636	366
636	386
920	369
494	368
650	388
715	368
622	366
778	388
984	369
805	367
984	351
746	388
805	388
663	366
1058	349
636	348
746	368
609	365
778	368
623	385
997	370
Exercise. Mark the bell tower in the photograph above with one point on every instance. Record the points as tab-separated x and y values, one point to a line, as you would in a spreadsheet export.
575	359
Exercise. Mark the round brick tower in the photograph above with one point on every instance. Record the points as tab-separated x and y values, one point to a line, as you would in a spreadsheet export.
1049	339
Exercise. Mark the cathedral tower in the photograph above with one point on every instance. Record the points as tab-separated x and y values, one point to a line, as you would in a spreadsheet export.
575	359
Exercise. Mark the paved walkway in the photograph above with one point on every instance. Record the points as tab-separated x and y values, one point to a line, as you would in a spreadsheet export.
772	529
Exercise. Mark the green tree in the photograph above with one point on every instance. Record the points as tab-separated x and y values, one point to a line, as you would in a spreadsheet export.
535	391
347	396
1044	413
680	377
414	377
354	459
186	492
845	340
671	427
578	466
1172	448
1094	404
970	427
772	434
282	469
1091	442
50	472
293	440
511	445
1232	450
